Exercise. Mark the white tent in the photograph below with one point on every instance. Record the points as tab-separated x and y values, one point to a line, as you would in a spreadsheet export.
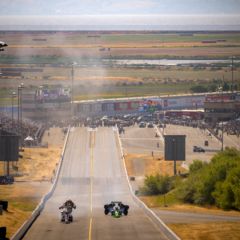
28	138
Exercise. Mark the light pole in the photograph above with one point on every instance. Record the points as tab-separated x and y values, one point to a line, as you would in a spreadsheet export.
18	118
20	87
72	94
13	95
221	89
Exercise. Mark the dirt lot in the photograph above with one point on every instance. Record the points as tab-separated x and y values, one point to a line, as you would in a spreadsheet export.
143	164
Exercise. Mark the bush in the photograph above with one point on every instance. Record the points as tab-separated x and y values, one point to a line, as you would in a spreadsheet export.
196	165
214	183
227	193
154	185
199	89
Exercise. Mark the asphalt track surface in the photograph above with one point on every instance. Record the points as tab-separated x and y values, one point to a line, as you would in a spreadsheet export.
92	175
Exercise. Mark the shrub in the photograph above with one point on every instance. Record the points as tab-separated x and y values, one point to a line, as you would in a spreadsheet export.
157	184
214	183
196	165
227	193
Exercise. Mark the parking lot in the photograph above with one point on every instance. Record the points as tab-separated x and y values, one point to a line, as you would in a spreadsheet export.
141	141
137	140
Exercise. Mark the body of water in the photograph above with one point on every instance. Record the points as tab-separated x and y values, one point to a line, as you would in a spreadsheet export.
168	62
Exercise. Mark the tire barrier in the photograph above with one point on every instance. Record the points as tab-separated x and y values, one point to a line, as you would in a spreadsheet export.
154	218
27	224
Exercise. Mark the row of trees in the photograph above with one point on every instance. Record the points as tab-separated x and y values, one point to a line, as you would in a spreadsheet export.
214	87
215	183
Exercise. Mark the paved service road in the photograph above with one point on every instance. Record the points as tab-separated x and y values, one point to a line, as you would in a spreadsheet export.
92	175
192	217
141	141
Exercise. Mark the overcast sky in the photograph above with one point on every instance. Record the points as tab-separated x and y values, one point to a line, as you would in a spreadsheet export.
218	11
76	7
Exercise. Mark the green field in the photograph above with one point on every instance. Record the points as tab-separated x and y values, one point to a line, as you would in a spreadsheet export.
146	38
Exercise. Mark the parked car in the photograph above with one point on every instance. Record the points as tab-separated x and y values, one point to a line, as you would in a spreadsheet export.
142	124
150	125
198	149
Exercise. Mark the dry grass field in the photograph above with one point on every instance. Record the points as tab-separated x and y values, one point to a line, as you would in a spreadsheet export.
207	231
136	43
22	199
35	172
37	164
152	165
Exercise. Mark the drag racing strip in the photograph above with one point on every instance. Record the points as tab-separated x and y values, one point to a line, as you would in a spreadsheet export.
110	184
91	146
74	183
92	175
149	213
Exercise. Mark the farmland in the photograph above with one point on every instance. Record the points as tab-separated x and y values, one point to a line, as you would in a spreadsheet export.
48	56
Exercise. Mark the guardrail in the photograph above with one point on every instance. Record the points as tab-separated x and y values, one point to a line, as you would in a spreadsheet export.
155	219
27	224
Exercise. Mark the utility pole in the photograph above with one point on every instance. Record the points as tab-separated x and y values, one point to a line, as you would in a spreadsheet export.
221	89
13	95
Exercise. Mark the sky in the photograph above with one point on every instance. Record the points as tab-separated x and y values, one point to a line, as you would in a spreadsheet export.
120	12
76	7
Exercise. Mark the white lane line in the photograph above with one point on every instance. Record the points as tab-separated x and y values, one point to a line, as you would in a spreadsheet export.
90	230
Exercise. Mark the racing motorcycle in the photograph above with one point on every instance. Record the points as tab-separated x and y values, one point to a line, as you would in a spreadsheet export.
66	213
66	216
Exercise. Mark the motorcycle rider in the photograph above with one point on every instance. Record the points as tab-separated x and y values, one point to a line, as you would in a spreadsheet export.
67	206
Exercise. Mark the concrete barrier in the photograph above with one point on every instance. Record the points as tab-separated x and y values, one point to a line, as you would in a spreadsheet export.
27	224
154	218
